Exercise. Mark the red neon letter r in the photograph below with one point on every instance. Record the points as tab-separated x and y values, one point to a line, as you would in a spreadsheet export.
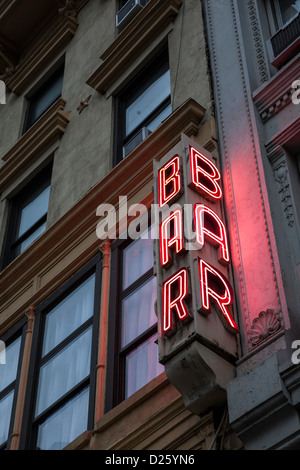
210	278
175	290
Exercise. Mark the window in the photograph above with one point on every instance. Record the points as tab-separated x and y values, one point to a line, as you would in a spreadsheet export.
142	106
281	12
286	10
44	97
63	364
27	216
133	349
284	24
9	375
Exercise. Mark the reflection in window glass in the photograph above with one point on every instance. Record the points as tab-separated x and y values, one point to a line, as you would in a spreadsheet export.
65	424
69	314
8	371
5	415
65	370
138	312
137	259
150	99
44	97
142	366
159	119
30	239
34	211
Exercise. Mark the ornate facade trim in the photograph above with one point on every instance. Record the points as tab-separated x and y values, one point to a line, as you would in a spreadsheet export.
258	42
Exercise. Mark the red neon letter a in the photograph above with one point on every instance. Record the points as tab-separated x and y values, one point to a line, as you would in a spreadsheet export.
213	284
208	223
177	238
169	181
175	290
204	175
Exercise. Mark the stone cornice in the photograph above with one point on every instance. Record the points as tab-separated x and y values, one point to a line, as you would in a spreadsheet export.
44	51
140	32
51	125
26	63
274	145
276	93
57	246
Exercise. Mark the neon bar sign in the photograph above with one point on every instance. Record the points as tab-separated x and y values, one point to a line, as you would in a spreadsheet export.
203	178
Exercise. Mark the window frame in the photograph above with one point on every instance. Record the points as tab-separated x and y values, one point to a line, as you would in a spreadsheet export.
30	425
136	86
29	121
115	389
18	330
31	190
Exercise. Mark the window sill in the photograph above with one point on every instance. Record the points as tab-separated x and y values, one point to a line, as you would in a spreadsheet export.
140	32
48	128
127	422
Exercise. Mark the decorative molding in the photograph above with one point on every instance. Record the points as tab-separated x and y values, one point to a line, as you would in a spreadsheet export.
140	32
83	104
258	41
51	125
264	326
274	144
276	94
45	49
281	175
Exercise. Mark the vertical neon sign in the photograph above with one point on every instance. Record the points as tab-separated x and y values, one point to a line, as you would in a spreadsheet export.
203	178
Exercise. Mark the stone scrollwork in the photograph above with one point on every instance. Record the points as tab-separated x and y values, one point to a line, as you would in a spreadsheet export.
68	8
264	326
7	67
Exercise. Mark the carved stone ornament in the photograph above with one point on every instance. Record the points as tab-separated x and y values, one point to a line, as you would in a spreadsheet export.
264	326
281	176
68	8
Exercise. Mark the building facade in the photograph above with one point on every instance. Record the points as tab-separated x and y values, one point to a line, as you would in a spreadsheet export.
111	109
254	51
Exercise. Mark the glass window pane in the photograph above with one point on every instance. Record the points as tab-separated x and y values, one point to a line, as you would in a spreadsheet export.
69	314
28	241
8	371
65	424
63	371
138	312
154	95
33	211
46	96
5	415
159	119
142	366
137	259
289	8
